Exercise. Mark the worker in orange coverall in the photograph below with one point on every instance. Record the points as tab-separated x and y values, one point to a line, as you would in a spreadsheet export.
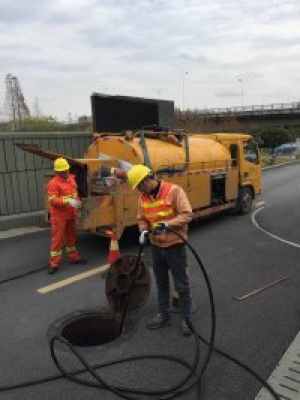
63	204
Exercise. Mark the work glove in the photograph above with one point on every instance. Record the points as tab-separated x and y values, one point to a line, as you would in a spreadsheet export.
143	237
109	172
162	226
75	203
124	165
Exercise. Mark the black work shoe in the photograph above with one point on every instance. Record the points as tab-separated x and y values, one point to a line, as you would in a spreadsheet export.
185	329
158	322
52	270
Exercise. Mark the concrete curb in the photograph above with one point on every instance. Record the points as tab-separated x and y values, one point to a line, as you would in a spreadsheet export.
281	165
11	233
36	218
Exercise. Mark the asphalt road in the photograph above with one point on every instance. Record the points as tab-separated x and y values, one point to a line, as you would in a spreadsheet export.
239	258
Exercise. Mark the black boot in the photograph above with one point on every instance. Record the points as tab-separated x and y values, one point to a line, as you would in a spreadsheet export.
185	329
52	270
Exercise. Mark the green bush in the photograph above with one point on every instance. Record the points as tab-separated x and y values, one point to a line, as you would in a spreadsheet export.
44	124
273	137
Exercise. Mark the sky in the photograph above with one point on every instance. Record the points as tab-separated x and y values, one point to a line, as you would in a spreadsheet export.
199	53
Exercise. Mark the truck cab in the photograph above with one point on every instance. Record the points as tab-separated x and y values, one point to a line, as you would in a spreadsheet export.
245	158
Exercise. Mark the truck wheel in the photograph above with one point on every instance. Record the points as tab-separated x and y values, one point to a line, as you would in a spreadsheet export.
245	201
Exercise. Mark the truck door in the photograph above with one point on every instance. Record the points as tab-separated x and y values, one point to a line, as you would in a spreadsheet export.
232	181
250	168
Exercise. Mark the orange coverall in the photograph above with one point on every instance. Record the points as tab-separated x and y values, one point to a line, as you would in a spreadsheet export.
63	219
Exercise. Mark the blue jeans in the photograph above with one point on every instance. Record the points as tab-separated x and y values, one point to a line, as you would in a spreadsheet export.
171	258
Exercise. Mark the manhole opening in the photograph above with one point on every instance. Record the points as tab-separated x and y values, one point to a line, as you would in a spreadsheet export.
91	330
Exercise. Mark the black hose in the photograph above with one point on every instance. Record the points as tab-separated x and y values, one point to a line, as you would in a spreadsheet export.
180	388
51	378
120	390
209	343
125	310
167	394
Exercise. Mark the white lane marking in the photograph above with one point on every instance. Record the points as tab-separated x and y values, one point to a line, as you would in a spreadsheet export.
260	204
73	279
259	290
255	223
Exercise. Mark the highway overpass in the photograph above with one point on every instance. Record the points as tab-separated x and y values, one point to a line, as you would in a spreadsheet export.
250	117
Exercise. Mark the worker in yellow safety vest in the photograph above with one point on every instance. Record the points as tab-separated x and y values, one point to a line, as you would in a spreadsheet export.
63	203
165	205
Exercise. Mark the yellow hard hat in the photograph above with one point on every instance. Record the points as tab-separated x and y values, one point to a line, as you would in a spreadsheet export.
136	174
61	165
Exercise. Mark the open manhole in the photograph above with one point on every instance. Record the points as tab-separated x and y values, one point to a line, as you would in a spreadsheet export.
90	329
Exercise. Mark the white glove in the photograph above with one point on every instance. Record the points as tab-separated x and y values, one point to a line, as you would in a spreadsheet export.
124	165
143	237
75	203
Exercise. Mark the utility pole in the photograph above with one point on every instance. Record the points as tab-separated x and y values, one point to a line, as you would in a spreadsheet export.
158	91
183	88
36	107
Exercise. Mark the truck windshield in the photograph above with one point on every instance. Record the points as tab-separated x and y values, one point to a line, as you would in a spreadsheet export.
251	152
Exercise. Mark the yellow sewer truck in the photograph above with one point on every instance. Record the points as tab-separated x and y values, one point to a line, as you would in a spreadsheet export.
217	171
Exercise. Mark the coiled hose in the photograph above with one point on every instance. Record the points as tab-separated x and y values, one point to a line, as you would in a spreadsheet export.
191	379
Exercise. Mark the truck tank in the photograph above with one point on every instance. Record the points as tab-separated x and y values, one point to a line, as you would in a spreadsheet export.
200	159
203	151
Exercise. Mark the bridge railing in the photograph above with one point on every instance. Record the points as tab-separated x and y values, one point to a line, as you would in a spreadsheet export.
253	109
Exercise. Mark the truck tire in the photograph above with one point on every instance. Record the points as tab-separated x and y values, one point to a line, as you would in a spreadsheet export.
245	201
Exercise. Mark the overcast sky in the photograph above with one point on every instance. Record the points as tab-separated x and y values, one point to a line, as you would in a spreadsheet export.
199	53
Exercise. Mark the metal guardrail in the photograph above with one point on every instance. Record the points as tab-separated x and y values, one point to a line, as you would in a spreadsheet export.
275	108
22	174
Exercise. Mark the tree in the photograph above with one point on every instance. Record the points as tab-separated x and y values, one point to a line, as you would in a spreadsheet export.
196	121
273	136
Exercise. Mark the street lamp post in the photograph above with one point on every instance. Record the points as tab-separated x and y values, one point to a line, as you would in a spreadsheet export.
183	82
159	92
